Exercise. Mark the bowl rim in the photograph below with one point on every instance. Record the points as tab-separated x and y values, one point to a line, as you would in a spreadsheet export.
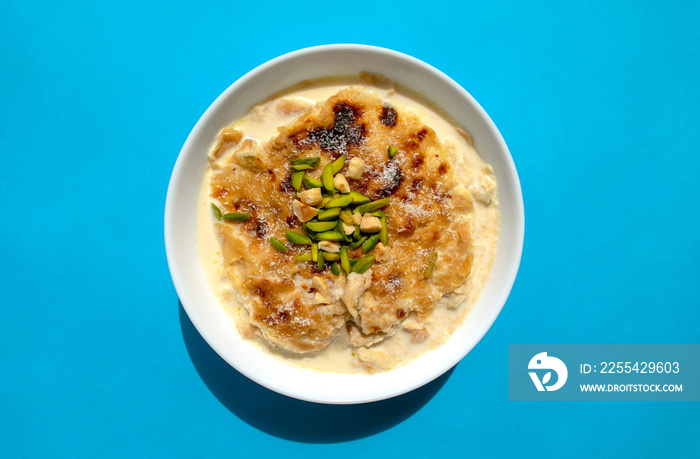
189	299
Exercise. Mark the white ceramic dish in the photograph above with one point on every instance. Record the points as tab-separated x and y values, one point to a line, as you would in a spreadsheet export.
205	310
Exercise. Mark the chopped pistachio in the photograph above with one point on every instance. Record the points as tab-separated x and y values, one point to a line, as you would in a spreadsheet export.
338	164
313	162
346	217
217	211
358	242
330	256
311	182
384	232
372	206
303	257
236	217
297	178
301	167
330	214
358	198
392	151
320	227
363	264
335	269
344	260
279	245
311	233
297	238
342	201
324	201
370	243
329	236
314	252
327	178
339	228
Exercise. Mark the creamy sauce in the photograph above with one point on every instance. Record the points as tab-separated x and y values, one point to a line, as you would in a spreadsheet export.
261	124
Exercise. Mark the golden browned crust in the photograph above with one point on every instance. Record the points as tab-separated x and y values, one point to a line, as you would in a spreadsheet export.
429	212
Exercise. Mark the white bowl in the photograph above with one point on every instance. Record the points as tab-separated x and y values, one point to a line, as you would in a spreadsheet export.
196	294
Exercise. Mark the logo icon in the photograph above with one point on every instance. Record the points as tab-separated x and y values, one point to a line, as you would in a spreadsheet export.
542	362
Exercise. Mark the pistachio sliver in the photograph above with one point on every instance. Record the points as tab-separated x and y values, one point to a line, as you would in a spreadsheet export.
311	182
320	227
217	211
297	238
328	256
358	198
392	151
330	214
363	264
338	164
335	269
301	167
339	202
430	262
358	243
339	228
314	252
324	201
236	217
370	243
327	178
384	232
329	236
297	178
313	162
346	217
372	206
344	260
279	245
321	261
303	257
309	231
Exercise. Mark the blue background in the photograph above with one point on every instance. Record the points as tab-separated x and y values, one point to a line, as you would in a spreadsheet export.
600	106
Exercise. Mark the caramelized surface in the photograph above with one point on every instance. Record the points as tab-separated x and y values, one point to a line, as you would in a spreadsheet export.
429	211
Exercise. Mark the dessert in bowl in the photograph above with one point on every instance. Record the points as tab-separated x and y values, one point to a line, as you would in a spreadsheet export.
344	224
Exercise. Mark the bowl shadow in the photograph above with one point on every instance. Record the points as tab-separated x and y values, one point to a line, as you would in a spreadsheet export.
293	419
